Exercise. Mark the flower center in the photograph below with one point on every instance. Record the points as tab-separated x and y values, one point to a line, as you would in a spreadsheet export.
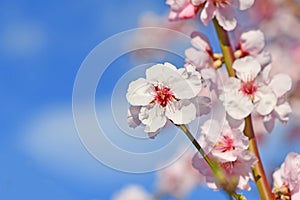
163	95
226	144
249	89
282	193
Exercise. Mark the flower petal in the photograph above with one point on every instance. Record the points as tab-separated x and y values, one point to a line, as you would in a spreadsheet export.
283	111
153	117
253	41
202	105
181	112
280	84
198	58
161	72
226	18
247	68
208	12
139	92
266	101
133	116
245	4
269	122
200	41
192	77
237	105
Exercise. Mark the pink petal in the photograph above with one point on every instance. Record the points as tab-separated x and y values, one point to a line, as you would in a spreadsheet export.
139	92
226	18
208	12
247	68
153	117
281	83
253	41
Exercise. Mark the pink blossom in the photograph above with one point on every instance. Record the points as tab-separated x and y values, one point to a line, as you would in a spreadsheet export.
167	93
229	149
239	169
132	192
253	43
252	90
181	9
287	178
223	11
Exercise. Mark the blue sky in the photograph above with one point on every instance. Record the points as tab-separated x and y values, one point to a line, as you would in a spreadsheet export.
42	45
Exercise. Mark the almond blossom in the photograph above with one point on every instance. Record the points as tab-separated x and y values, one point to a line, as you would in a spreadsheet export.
230	150
252	90
181	9
222	10
252	43
167	93
287	178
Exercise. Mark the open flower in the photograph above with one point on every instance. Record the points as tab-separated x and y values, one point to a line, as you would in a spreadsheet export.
287	178
222	10
249	91
181	9
252	43
166	94
228	146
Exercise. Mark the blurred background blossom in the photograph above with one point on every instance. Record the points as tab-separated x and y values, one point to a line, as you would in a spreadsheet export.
42	45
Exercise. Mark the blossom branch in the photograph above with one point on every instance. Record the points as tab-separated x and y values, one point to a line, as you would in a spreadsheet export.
258	170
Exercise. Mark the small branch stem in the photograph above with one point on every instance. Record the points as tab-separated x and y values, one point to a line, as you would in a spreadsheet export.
225	47
258	170
196	144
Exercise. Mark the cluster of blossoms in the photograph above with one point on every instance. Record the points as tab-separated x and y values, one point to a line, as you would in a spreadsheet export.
230	150
179	95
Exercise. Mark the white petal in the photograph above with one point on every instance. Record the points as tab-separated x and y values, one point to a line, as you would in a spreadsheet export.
210	132
181	112
253	41
280	84
237	105
232	85
264	58
277	179
169	76
245	4
208	12
139	92
269	122
198	58
192	77
161	72
226	18
202	105
283	111
153	117
247	68
266	101
133	116
200	41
